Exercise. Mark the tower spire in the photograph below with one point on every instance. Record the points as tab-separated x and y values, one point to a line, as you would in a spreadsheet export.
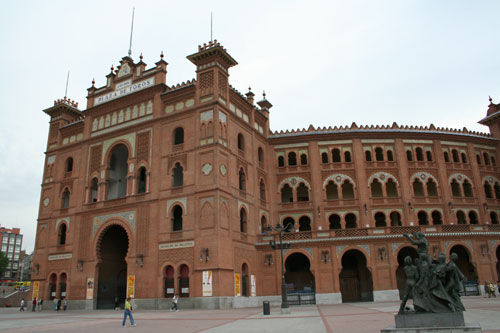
211	26
131	32
67	82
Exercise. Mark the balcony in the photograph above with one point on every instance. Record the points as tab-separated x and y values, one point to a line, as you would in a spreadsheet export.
342	203
387	200
295	205
421	164
426	200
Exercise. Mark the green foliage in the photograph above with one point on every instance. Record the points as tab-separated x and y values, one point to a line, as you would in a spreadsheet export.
4	261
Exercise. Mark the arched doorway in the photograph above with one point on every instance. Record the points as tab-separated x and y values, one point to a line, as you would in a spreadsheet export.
463	262
244	280
62	285
400	272
184	281
356	283
169	282
52	286
298	276
112	280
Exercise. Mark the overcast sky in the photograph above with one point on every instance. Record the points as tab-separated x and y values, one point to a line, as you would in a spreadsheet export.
324	63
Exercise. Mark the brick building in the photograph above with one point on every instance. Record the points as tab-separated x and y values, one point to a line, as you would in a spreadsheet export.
11	241
155	189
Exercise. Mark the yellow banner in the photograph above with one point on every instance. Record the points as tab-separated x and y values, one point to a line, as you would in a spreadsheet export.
36	286
237	289
130	286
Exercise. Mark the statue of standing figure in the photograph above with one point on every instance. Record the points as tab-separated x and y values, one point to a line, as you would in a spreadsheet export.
434	286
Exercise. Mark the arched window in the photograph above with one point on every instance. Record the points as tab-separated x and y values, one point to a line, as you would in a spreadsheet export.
429	155
467	189
347	190
376	188
455	188
69	164
292	158
304	223
478	158
62	234
141	184
184	281
281	161
446	157
391	188
242	180
431	188
65	199
497	191
379	154
422	218
169	282
288	224
486	158
454	154
493	161
262	190
350	221
177	218
331	191
334	220
420	154
94	189
464	157
368	156
324	158
263	224
380	220
302	192
286	194
241	142
117	176
303	159
418	188
347	156
395	219
493	218
335	155
177	175
409	156
473	217
243	220
178	136
436	218
390	156
487	190
260	155
461	217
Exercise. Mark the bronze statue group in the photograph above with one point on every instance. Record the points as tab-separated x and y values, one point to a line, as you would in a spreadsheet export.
434	285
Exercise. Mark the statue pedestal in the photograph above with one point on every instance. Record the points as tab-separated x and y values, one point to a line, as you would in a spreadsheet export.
452	322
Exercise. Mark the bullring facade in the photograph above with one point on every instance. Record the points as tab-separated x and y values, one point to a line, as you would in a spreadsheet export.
155	189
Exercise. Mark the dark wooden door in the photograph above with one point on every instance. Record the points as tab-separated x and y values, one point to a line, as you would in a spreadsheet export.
349	286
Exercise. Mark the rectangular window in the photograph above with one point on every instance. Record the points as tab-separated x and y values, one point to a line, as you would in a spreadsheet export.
7	274
11	248
4	248
5	239
19	237
18	248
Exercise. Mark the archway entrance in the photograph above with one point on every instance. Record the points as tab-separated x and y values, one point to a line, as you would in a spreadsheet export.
300	285
112	280
400	272
356	283
464	263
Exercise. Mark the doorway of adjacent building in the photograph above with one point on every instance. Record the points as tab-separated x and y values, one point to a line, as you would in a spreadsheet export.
400	272
112	268
356	283
299	280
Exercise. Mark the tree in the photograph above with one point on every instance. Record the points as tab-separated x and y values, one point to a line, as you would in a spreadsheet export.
4	261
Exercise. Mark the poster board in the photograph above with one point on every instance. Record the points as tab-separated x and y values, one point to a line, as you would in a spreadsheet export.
237	286
207	283
36	287
90	288
253	285
130	286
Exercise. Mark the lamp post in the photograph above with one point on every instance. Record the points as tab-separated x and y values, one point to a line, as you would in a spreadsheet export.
285	307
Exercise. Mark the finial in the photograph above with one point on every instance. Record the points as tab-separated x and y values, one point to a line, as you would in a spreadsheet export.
161	54
264	94
93	82
112	68
249	88
140	57
491	99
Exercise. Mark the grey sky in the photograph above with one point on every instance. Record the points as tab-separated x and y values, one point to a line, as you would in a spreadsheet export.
324	63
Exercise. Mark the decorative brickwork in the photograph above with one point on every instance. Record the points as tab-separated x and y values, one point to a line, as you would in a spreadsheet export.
142	147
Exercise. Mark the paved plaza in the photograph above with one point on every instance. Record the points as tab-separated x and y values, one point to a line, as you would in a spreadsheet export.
352	317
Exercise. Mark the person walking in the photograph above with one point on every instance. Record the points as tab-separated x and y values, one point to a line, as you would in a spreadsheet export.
128	312
40	304
175	299
55	303
58	305
64	304
33	309
22	305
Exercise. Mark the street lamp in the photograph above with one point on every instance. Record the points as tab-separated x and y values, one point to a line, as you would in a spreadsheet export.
285	307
